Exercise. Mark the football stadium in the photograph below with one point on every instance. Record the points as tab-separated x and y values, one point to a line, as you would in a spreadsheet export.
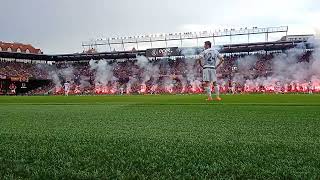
236	103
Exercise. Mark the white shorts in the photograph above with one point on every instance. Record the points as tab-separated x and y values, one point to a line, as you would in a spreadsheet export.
209	75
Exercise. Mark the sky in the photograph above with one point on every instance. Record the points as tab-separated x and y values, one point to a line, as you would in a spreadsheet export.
60	26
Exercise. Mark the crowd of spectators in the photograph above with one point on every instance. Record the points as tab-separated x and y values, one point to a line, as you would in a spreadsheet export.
180	75
21	69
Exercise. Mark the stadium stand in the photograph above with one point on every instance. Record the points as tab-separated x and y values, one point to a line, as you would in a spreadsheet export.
35	74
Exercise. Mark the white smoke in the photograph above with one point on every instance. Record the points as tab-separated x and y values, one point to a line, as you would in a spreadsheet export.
246	64
103	72
149	69
315	62
245	68
67	73
55	79
51	73
129	84
287	68
84	82
189	51
191	73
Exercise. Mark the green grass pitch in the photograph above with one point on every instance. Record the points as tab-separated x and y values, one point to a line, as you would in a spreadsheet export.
160	137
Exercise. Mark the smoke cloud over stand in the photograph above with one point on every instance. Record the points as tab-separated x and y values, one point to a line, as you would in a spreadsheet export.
298	68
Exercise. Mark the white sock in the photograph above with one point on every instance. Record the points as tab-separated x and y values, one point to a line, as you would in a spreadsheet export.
216	89
208	91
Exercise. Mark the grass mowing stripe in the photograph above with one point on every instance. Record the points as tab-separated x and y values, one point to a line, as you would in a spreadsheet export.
171	104
163	99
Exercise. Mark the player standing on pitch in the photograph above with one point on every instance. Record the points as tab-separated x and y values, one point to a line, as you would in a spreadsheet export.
208	62
66	88
310	87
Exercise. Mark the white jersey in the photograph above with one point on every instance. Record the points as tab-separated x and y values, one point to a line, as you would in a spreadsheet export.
233	87
66	86
210	58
